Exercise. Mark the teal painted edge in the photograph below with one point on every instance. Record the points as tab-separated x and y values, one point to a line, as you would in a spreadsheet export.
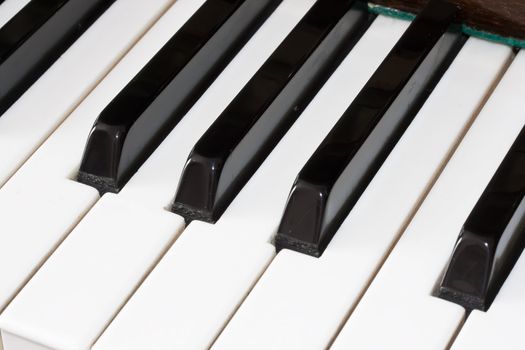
390	12
493	37
407	16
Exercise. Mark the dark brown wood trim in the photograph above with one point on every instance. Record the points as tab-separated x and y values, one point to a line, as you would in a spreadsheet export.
502	17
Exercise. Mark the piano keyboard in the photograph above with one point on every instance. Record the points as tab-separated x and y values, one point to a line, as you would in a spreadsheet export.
248	174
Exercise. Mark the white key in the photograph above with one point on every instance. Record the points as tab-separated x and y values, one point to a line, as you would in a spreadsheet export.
29	121
51	326
27	236
398	310
60	155
155	183
150	186
78	291
302	301
502	325
40	203
10	8
187	299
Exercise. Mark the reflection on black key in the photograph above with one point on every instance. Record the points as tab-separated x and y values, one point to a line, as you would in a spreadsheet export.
492	238
145	111
335	176
235	145
36	37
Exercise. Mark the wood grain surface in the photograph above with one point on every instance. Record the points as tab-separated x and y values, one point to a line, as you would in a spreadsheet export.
502	17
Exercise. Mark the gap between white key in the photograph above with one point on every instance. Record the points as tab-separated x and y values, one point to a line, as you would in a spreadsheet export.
399	300
226	259
298	291
44	106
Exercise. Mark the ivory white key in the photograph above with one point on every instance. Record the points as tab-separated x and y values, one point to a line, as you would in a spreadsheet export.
9	8
155	183
45	105
27	235
502	325
399	311
42	187
75	294
52	161
190	295
302	301
148	188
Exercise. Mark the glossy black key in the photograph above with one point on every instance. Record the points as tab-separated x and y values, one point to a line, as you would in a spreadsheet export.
236	144
144	112
492	237
335	176
36	37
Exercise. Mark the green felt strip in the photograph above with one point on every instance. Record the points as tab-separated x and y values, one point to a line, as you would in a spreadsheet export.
387	11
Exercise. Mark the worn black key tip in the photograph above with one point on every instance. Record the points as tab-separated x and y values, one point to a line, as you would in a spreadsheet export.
193	213
103	149
467	277
245	133
288	242
338	172
492	237
198	187
102	184
303	216
138	119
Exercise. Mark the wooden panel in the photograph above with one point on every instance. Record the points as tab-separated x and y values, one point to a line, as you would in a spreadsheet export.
502	17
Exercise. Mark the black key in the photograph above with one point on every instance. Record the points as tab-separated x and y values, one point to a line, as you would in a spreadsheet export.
244	134
338	172
137	120
492	238
36	37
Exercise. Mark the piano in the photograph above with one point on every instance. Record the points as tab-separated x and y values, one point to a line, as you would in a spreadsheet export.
262	174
